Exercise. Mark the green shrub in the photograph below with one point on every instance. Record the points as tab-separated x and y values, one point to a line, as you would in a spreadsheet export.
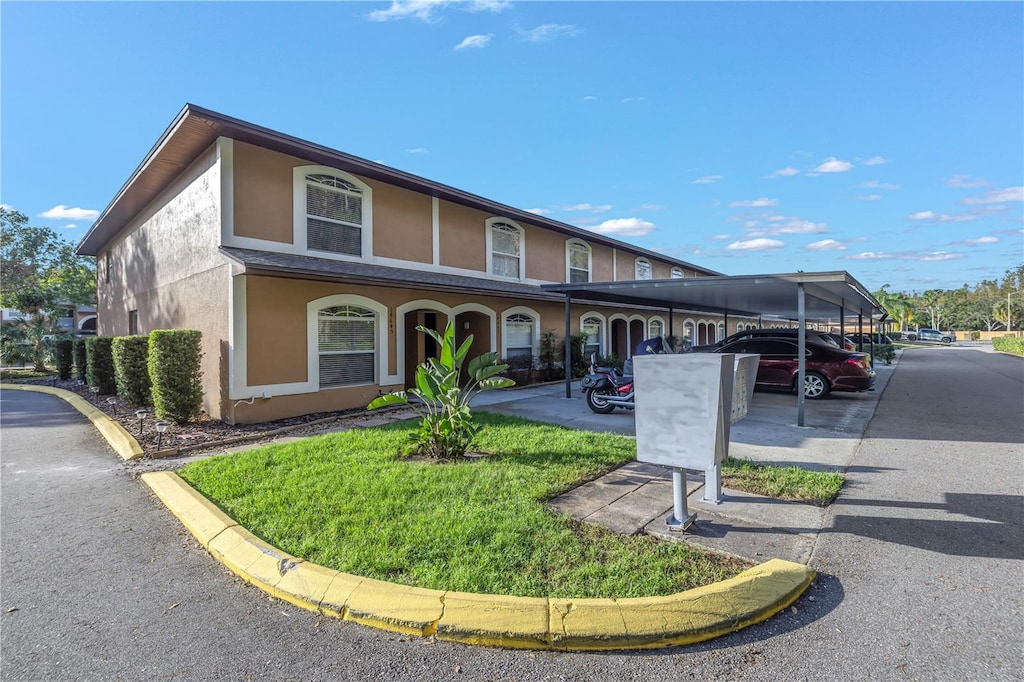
80	354
580	363
99	365
551	349
131	368
520	369
65	358
610	360
1009	344
175	374
885	352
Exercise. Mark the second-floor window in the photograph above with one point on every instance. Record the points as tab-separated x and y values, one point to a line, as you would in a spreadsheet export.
578	261
334	215
506	249
643	268
677	273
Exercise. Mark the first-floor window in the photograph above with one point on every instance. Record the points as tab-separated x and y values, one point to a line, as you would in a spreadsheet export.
656	328
518	335
133	322
592	328
347	344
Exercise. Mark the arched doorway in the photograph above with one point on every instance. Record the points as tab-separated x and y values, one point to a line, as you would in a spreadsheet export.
619	339
419	346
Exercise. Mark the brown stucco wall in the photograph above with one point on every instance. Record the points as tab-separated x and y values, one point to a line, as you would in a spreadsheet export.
402	223
263	193
601	257
166	266
462	238
545	254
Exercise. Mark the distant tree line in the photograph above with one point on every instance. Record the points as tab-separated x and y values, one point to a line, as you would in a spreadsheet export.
990	305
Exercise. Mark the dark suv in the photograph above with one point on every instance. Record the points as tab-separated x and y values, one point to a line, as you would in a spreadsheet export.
820	337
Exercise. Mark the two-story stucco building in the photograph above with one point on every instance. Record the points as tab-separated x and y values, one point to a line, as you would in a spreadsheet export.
307	270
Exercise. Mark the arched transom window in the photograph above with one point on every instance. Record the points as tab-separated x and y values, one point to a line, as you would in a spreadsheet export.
347	346
334	214
643	269
677	273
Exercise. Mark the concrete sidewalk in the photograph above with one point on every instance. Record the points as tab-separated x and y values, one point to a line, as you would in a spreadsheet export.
637	497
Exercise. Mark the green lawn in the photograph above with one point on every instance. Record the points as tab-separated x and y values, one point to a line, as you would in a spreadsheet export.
787	483
345	501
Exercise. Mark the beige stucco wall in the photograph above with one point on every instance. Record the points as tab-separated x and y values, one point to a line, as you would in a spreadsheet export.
402	223
165	265
462	239
263	193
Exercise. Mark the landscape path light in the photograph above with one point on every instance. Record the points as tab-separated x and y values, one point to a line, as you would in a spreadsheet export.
160	428
141	414
112	401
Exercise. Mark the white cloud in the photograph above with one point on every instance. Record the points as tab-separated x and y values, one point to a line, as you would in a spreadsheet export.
871	197
937	256
755	245
978	241
600	208
545	33
933	217
833	165
625	227
62	212
425	10
751	224
627	100
870	255
760	202
652	207
875	161
589	98
928	257
707	180
826	245
418	150
721	237
791	226
70	226
538	211
784	172
965	182
875	184
478	41
998	196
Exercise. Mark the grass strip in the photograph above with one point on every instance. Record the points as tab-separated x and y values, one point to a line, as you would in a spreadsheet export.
788	483
346	501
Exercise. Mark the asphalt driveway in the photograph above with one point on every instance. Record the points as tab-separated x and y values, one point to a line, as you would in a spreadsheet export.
922	560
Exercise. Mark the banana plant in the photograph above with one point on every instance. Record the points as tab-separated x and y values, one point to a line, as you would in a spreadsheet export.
447	427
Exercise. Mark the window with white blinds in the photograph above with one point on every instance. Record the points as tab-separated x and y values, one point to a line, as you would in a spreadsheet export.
347	344
579	262
677	273
592	328
506	250
643	268
334	215
518	335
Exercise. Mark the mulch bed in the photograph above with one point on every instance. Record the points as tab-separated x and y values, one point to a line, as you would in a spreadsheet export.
199	434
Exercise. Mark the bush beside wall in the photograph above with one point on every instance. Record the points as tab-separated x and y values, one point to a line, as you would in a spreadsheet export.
65	358
1009	344
131	368
174	370
80	359
99	363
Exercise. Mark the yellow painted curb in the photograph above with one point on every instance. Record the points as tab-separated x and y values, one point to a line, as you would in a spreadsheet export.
119	439
513	622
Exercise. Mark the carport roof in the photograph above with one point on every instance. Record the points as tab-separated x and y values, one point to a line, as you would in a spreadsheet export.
771	295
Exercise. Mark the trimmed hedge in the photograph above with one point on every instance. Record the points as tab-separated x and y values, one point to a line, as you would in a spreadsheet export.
174	357
65	358
131	368
1009	344
80	359
99	365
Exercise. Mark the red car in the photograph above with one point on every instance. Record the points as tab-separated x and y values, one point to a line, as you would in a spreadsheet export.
827	368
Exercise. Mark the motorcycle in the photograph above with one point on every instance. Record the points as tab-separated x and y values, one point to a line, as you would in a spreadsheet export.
606	388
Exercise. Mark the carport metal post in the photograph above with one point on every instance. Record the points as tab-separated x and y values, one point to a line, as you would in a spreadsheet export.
567	362
801	349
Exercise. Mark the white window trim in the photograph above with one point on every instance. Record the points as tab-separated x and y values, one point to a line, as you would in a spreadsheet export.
569	243
520	310
313	309
690	321
664	325
604	341
677	273
81	322
299	174
636	268
489	224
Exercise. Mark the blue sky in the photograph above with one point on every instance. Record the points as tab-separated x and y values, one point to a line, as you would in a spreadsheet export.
880	138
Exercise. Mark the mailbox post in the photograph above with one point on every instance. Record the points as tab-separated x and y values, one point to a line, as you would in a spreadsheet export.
684	407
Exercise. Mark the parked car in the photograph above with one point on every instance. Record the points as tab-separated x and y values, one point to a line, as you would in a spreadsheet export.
935	335
843	341
878	339
827	368
811	335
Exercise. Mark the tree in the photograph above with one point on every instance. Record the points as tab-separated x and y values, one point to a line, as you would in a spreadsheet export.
39	268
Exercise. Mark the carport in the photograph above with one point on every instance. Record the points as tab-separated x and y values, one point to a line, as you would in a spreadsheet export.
826	297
